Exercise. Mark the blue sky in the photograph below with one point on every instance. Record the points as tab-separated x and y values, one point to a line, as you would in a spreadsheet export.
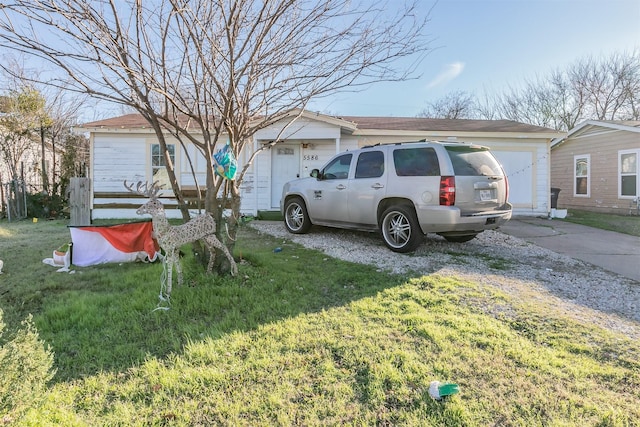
489	45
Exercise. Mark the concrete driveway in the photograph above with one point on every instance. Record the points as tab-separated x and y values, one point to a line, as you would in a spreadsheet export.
616	252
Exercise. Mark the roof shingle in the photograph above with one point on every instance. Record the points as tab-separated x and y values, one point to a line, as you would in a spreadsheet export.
137	121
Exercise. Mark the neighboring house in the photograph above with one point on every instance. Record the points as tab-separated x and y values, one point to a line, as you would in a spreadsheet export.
596	167
29	171
125	148
29	166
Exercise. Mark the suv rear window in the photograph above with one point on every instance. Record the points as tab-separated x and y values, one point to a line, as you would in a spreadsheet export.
416	162
473	161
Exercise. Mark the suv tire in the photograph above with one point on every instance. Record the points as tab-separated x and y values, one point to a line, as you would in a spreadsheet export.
400	229
296	218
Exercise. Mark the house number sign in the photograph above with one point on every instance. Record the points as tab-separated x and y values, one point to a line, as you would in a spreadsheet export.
310	157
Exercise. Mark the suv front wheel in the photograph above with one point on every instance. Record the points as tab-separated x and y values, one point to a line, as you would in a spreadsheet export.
400	229
296	218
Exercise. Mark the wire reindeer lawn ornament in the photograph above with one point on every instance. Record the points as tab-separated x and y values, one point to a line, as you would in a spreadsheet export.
172	237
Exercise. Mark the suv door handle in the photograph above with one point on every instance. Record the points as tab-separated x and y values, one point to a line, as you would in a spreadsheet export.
377	185
341	187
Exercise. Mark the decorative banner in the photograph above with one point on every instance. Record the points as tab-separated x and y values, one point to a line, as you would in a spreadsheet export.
226	163
113	243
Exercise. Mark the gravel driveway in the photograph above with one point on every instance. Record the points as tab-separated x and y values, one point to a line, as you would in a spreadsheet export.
522	270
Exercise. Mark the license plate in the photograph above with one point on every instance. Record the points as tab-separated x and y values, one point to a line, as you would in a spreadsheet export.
485	195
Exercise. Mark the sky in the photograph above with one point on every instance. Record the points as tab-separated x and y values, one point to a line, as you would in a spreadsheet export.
490	45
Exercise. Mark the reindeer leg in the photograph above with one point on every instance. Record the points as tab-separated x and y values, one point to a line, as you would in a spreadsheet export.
176	259
169	260
213	241
212	254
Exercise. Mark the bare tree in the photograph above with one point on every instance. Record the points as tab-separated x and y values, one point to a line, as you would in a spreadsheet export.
21	118
539	102
73	149
610	86
606	88
455	105
212	71
63	111
33	115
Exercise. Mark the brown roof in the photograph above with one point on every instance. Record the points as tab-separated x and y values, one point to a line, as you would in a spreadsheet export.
128	121
443	125
133	121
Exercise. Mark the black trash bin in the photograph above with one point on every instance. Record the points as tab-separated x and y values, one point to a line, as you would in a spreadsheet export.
554	197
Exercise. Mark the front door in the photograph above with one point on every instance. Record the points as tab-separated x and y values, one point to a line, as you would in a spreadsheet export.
285	166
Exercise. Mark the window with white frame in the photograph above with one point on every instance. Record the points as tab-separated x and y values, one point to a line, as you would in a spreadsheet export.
629	173
158	163
581	179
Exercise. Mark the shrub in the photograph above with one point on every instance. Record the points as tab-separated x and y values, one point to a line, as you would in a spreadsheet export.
25	369
44	205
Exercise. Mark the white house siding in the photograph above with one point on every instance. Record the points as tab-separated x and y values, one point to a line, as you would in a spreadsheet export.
262	183
30	166
318	142
127	161
525	158
302	128
198	163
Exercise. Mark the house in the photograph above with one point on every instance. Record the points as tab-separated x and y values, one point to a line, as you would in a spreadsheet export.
596	167
125	148
28	164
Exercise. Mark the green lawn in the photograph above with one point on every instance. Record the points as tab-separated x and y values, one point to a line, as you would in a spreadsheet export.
298	338
627	224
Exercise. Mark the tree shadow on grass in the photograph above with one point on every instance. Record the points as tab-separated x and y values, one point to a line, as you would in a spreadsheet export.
98	323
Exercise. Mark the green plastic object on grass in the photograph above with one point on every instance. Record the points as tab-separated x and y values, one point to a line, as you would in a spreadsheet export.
437	391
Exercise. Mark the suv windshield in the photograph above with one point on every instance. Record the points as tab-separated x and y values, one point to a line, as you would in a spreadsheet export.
473	161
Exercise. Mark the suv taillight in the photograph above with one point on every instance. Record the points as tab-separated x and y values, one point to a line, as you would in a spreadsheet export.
447	191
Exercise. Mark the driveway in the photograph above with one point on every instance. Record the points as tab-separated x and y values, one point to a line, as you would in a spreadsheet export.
615	252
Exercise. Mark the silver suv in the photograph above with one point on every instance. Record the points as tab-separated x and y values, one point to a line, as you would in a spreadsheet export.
405	191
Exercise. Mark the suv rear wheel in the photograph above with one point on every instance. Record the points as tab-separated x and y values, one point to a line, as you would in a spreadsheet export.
400	229
296	218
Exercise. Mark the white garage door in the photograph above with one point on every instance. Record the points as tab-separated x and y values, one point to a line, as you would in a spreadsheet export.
518	165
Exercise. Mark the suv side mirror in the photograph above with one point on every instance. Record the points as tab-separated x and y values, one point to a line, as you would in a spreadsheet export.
315	173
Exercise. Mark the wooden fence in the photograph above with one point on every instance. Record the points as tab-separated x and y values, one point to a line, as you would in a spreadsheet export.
80	201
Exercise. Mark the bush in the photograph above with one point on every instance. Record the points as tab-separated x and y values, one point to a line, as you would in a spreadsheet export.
25	369
43	205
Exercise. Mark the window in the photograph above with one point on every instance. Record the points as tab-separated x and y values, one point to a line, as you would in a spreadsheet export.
370	164
416	162
628	167
473	161
158	162
581	176
338	168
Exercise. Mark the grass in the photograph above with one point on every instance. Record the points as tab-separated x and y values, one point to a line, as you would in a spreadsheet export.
298	338
627	224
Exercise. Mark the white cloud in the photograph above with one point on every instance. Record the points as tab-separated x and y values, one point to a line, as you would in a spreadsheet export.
449	72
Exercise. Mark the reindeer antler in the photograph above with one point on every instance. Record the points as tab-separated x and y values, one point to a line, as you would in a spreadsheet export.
144	188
